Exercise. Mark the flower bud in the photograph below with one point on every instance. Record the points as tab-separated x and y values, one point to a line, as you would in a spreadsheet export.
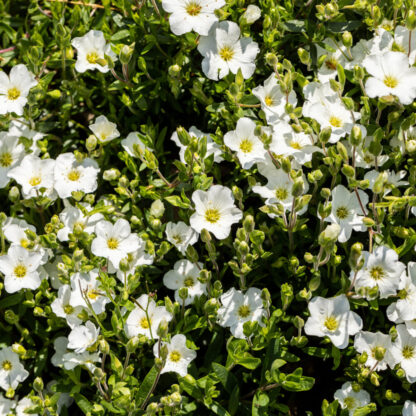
379	183
411	145
132	344
211	306
183	293
298	187
157	209
379	353
347	39
174	71
38	385
111	174
330	235
91	143
271	59
252	14
325	135
10	317
359	73
411	20
348	171
356	136
14	194
162	329
126	53
304	56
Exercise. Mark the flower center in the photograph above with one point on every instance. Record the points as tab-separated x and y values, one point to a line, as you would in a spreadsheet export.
281	194
226	53
193	8
402	294
20	271
144	323
13	93
92	57
377	273
331	63
295	145
268	100
177	238
24	243
212	215
408	351
342	213
349	403
390	81
331	323
246	146
175	356
74	175
189	281
68	309
112	243
6	159
6	365
244	311
335	121
93	294
35	180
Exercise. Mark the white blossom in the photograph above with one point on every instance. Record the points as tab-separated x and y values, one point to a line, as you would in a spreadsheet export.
104	130
350	399
180	235
12	371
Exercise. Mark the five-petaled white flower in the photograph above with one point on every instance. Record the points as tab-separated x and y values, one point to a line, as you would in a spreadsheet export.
83	337
62	307
104	130
378	349
185	274
145	318
350	399
188	15
114	242
91	49
14	89
382	269
403	352
20	269
249	147
72	175
11	153
238	308
332	318
180	235
179	355
215	211
347	211
224	51
33	174
390	75
12	371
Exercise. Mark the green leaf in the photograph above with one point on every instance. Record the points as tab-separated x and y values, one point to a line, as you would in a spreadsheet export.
233	402
271	354
83	403
227	379
329	409
176	201
297	382
294	25
260	404
122	34
365	410
340	27
146	385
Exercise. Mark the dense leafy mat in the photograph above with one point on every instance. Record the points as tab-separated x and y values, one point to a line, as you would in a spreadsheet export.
207	207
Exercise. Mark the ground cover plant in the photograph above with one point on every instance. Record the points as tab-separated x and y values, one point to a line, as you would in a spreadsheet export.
207	207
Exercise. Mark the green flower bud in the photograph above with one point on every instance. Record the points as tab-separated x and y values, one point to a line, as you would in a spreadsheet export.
174	71
38	385
211	306
10	317
271	59
126	53
248	223
359	73
103	346
379	183
362	359
10	393
19	349
286	165
111	174
14	194
411	20
91	143
356	136
132	345
325	135
176	398
368	222
157	209
309	258
205	236
304	56
298	187
379	353
347	39
348	171
329	236
183	293
162	330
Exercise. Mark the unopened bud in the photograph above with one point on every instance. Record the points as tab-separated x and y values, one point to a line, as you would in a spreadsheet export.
347	39
356	136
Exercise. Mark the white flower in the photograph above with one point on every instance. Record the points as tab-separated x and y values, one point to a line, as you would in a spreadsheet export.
20	128
6	406
104	130
135	259
87	285
212	147
224	51
114	242
73	359
278	188
334	55
62	307
131	141
347	211
215	211
33	174
405	40
381	269
394	179
252	14
72	217
188	15
72	176
409	408
185	274
374	343
20	269
12	371
180	235
179	356
273	100
350	399
404	309
403	352
145	319
331	112
288	143
82	337
390	75
249	147
332	318
14	89
24	404
60	345
238	308
363	157
11	153
91	49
